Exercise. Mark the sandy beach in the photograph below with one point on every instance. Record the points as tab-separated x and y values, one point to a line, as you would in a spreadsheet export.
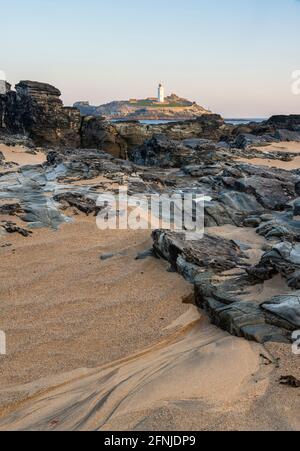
98	340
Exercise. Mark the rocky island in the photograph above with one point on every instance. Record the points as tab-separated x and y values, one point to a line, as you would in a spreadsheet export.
169	108
205	327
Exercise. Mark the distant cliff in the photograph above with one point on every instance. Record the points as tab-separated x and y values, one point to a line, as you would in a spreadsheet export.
174	107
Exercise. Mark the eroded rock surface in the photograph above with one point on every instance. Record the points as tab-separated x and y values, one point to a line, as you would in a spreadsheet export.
218	270
286	307
284	259
35	109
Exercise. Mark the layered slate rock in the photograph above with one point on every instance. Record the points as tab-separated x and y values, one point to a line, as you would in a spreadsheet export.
36	111
217	268
251	196
284	259
281	226
81	202
286	307
188	257
207	127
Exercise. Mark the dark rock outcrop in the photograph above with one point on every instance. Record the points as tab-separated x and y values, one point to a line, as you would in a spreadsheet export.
11	227
99	134
286	307
174	108
190	257
205	263
10	209
272	188
35	109
284	259
79	201
36	112
277	128
290	381
163	152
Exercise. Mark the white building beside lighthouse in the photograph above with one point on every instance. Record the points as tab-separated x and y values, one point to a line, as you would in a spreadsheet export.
161	93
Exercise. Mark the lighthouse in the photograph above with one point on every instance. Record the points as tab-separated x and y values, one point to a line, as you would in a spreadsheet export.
161	93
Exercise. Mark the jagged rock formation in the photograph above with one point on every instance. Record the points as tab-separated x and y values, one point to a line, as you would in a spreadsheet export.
36	110
239	194
277	128
121	139
203	263
284	259
4	87
286	307
193	154
96	133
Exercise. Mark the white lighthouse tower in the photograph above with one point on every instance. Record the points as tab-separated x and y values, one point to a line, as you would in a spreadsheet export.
161	93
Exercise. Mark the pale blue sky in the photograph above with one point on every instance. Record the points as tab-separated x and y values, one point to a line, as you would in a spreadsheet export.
234	56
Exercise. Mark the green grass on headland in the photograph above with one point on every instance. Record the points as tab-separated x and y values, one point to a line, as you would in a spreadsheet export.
145	104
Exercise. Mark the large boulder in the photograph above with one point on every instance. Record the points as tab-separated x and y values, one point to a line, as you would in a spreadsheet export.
96	133
207	127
